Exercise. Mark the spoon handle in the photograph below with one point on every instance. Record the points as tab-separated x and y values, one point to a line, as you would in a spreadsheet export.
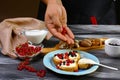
113	68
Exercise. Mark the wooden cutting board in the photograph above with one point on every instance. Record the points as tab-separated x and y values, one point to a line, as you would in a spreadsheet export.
56	47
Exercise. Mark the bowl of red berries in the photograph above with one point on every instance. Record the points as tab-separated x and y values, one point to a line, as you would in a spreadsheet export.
27	50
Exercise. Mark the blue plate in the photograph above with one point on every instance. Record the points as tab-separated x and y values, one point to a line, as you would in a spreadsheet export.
48	63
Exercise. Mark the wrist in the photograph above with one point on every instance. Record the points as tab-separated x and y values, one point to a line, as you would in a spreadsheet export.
47	2
54	1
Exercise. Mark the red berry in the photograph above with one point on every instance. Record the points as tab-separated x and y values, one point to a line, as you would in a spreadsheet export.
64	31
60	56
66	55
41	73
57	67
26	50
68	64
75	70
20	67
30	68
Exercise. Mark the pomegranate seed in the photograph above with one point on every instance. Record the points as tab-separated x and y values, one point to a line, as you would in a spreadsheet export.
60	56
57	67
41	73
66	55
75	70
64	31
30	68
20	67
27	50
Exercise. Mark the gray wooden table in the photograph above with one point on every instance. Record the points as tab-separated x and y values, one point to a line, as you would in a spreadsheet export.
8	66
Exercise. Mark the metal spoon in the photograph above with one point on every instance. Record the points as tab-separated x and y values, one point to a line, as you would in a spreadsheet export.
89	61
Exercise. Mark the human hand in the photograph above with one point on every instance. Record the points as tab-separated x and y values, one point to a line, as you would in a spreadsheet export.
56	19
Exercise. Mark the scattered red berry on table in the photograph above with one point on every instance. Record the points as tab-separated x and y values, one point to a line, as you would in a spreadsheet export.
41	73
26	50
30	68
25	65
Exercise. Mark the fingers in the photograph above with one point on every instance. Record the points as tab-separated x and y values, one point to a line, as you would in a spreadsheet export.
55	22
56	32
69	32
11	54
55	27
70	35
60	36
53	19
64	16
69	40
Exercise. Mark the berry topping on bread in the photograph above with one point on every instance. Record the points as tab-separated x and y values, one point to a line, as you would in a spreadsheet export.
70	61
68	65
72	55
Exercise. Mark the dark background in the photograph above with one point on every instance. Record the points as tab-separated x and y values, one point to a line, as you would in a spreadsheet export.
117	3
80	11
18	8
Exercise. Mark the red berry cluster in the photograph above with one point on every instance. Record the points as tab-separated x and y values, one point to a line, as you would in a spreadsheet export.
24	65
68	62
60	56
66	55
64	31
41	73
27	50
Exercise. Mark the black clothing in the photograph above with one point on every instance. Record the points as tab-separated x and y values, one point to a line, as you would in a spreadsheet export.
81	11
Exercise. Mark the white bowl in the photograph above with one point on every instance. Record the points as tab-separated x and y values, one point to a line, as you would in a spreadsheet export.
35	36
112	47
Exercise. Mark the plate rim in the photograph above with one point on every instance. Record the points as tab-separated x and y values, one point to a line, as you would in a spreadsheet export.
47	58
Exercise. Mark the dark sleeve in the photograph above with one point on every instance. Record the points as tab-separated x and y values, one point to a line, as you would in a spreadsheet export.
80	11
